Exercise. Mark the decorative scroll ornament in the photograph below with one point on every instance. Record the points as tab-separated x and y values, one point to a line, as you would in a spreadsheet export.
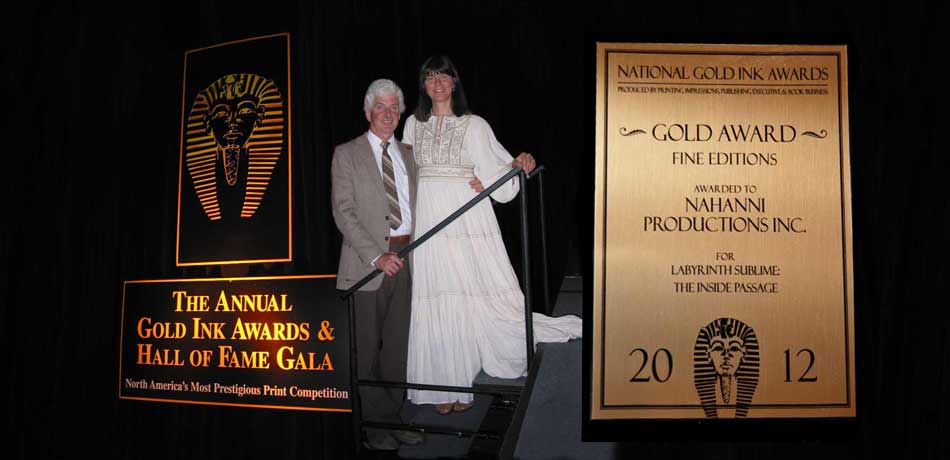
815	135
625	132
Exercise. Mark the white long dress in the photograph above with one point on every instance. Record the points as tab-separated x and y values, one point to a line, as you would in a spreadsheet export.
467	306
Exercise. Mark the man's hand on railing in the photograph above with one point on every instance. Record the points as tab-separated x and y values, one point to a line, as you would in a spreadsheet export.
525	161
389	263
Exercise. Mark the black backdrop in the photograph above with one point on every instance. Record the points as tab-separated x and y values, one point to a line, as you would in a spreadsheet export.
92	99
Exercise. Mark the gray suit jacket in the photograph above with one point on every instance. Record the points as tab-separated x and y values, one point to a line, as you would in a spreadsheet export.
360	209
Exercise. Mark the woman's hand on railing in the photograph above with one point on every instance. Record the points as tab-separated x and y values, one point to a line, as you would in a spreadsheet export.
524	161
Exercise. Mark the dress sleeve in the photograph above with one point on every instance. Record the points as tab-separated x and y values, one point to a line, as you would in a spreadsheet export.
490	158
409	130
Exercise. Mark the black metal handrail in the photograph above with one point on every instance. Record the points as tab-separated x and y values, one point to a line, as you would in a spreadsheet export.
435	430
529	329
448	220
424	386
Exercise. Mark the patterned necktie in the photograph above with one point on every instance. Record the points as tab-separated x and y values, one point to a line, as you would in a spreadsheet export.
389	183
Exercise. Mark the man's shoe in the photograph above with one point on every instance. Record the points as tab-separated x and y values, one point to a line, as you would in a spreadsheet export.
444	409
380	441
408	437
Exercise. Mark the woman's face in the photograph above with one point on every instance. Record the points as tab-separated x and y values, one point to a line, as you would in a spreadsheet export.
439	87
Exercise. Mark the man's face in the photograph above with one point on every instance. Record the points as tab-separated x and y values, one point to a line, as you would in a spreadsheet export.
383	116
726	354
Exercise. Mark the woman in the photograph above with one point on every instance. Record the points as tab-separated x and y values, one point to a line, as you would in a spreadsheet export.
467	306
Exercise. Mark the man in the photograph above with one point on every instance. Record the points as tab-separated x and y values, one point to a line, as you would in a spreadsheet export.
374	187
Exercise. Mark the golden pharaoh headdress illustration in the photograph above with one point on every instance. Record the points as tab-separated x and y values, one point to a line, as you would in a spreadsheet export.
239	117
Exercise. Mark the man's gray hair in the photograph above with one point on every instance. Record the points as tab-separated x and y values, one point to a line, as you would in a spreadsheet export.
382	87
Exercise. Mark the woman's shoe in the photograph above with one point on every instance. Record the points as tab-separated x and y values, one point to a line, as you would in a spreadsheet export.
444	409
462	407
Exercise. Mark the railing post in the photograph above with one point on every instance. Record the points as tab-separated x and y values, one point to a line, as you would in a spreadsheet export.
544	247
526	270
354	377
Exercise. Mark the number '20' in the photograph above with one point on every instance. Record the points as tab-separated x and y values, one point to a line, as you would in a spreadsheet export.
660	375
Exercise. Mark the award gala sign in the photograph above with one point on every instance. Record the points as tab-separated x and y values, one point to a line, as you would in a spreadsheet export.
275	342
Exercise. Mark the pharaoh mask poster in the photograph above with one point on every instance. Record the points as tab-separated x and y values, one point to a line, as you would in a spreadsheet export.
722	237
234	193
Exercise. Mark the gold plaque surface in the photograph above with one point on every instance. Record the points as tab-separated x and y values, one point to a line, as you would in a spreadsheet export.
722	234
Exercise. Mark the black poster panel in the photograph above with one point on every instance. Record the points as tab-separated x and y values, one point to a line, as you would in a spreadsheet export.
234	193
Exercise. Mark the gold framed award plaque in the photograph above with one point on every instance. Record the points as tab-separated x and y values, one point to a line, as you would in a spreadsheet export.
722	274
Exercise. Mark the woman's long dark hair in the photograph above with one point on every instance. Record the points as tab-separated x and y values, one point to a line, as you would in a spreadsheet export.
440	64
